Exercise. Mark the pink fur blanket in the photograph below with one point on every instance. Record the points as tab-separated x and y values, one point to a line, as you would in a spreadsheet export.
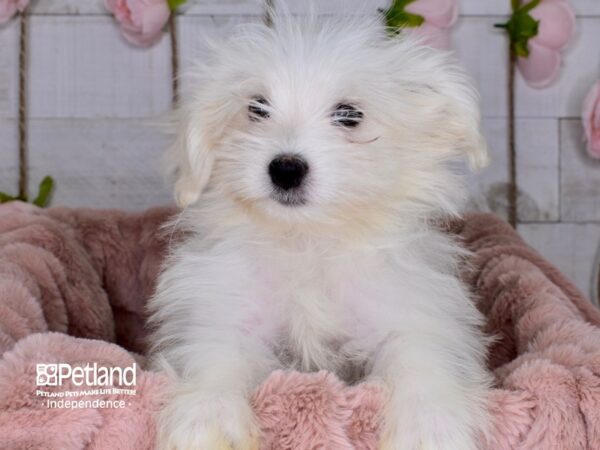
72	289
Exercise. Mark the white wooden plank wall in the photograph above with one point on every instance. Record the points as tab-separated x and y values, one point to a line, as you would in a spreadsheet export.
94	100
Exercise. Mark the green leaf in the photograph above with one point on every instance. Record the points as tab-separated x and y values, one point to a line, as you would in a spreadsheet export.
520	49
4	198
44	192
521	27
396	17
174	4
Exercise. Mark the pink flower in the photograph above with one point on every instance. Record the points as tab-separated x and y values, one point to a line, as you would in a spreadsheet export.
591	121
8	8
141	21
556	26
439	16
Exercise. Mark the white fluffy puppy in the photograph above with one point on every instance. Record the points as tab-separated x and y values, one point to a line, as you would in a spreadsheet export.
313	158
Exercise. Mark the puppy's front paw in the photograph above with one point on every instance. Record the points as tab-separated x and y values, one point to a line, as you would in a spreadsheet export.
211	423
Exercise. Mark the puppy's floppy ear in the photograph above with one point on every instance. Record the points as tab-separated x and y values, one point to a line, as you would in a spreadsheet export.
462	113
190	158
464	120
442	88
477	152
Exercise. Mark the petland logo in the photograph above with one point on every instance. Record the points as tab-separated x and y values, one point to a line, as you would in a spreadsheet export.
88	375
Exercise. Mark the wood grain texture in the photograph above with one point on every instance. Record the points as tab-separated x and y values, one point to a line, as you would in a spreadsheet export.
484	7
343	7
192	34
586	7
537	170
234	7
9	161
483	52
580	176
9	69
67	7
100	163
570	247
81	67
502	7
223	7
467	7
96	7
538	156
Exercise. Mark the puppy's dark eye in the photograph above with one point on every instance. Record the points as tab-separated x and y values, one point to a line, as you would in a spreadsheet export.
347	115
257	109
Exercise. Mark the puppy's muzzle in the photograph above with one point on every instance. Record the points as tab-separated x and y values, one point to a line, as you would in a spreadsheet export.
288	171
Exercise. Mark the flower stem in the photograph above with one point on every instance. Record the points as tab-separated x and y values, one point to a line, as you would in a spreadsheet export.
23	172
512	194
174	58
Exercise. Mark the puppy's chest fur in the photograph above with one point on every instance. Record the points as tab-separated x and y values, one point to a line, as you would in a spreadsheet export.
315	302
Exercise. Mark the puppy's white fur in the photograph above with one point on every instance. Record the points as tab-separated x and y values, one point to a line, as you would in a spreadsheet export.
357	275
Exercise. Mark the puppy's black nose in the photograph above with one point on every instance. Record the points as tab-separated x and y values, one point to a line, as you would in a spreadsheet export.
288	171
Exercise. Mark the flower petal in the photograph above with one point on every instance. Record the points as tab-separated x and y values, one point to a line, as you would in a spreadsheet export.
138	39
593	144
22	4
541	67
441	13
154	18
110	5
596	116
7	10
119	9
591	111
591	121
593	147
557	23
141	21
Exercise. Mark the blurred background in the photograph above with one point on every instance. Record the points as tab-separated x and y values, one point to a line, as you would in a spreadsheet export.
92	99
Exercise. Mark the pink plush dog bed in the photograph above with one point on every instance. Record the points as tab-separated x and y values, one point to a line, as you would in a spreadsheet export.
73	284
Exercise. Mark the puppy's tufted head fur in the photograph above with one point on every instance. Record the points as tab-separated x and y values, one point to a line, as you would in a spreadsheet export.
325	121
